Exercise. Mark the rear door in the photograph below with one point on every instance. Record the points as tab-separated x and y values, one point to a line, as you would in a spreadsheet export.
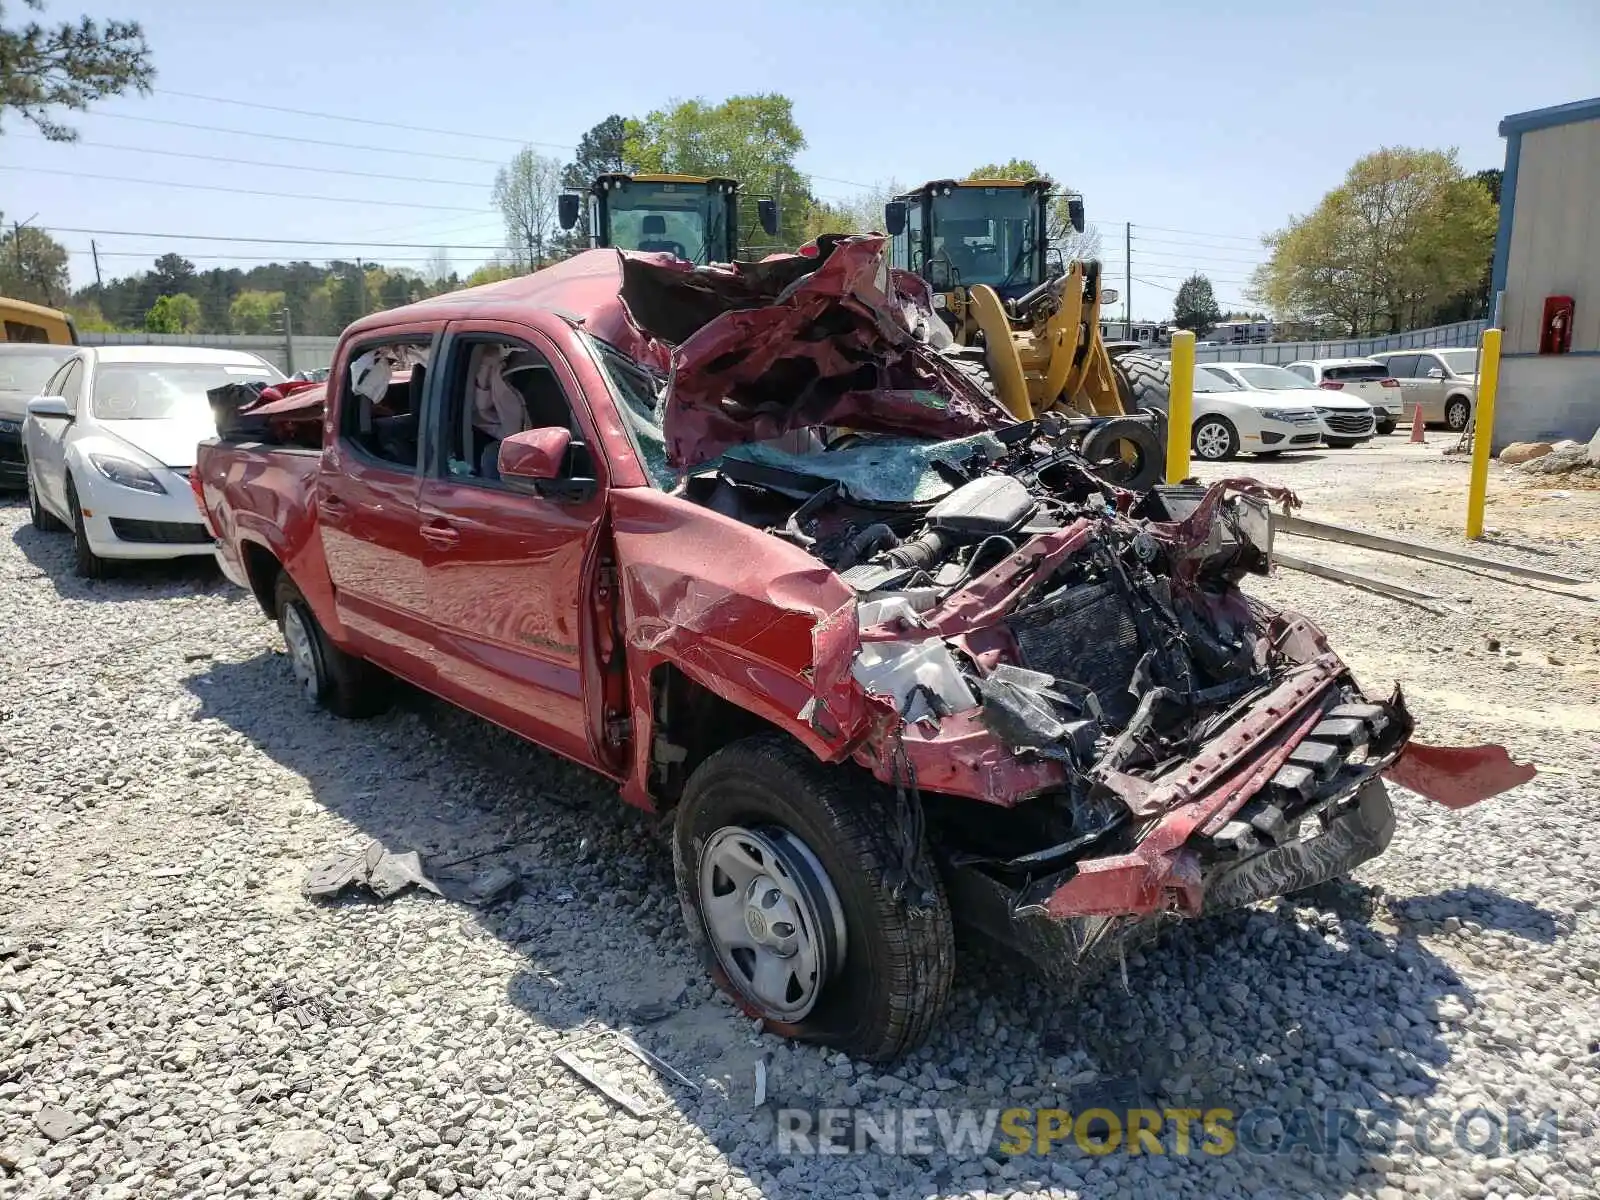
367	495
511	570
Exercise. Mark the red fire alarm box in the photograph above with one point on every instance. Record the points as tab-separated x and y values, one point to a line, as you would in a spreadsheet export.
1555	331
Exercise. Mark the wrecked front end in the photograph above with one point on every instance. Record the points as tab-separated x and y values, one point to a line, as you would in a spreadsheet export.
1068	689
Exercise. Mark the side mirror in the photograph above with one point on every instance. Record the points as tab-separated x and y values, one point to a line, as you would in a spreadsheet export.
567	209
767	214
894	218
1435	373
1055	264
49	408
1075	212
534	455
938	274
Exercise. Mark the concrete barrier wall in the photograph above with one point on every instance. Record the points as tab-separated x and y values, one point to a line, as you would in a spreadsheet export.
308	352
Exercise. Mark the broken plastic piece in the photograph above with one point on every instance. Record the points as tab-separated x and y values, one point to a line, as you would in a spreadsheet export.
1023	709
914	675
385	873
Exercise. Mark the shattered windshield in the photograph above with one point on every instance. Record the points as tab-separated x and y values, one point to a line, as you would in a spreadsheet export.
987	234
677	218
640	394
883	469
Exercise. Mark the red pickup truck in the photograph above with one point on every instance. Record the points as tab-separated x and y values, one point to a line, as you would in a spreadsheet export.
736	538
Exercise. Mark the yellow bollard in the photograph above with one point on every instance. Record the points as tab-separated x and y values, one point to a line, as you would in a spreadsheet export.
1483	429
1180	406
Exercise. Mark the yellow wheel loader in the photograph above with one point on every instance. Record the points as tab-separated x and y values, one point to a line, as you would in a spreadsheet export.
1026	323
695	217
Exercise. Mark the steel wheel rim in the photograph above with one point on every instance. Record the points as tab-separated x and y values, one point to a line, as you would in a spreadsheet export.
1211	440
302	654
1457	416
772	916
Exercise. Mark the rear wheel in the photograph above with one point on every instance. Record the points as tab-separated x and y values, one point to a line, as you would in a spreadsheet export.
1214	439
88	564
328	677
1143	381
43	519
1457	412
1386	427
793	877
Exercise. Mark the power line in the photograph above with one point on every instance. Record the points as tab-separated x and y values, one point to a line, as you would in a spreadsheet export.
1200	233
205	187
247	162
235	257
304	141
301	112
1168	255
264	241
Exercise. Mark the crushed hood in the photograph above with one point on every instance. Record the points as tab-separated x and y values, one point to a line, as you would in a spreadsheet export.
764	349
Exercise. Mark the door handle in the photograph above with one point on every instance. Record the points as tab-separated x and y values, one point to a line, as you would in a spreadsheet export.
440	535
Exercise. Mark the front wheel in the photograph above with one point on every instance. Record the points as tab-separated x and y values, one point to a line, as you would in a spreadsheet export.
1215	439
1385	428
1457	413
88	564
804	895
42	518
328	677
1343	443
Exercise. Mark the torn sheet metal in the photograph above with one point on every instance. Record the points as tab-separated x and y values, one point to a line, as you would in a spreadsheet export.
603	1082
1458	776
828	347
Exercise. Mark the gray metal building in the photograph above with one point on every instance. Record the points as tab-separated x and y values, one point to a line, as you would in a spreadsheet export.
1549	246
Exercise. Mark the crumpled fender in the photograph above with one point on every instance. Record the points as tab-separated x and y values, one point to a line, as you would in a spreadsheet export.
1458	776
745	615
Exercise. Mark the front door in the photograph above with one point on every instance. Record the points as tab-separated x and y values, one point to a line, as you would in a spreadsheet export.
1431	384
47	445
509	570
367	496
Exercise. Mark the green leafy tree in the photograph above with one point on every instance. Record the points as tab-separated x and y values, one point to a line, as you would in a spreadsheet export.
89	319
70	65
173	314
492	272
33	267
753	139
255	312
600	150
1404	233
1195	306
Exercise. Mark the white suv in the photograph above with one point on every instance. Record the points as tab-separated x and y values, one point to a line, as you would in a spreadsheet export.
1361	378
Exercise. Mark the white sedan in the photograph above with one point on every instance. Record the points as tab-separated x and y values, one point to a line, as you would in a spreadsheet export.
1230	418
108	444
1345	420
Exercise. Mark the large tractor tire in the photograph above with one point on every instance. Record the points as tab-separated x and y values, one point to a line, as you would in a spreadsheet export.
1143	381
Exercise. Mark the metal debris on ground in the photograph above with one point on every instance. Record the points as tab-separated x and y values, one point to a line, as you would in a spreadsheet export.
631	1103
1302	527
761	1082
1367	583
382	871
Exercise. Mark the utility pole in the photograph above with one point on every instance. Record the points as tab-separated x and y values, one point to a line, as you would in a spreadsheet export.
361	287
95	250
288	341
1127	277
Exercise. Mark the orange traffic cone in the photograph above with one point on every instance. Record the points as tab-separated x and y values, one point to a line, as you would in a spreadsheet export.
1417	437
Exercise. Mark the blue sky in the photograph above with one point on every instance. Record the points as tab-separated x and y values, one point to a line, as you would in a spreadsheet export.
1204	125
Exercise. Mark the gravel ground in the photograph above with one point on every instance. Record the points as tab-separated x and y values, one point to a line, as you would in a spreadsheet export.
188	1024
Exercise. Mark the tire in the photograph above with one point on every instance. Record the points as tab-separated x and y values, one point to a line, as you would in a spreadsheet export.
328	677
1214	439
1457	412
43	519
86	562
877	973
1143	381
1343	443
1103	447
1385	428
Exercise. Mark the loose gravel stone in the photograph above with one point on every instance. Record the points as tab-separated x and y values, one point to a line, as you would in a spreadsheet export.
165	791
